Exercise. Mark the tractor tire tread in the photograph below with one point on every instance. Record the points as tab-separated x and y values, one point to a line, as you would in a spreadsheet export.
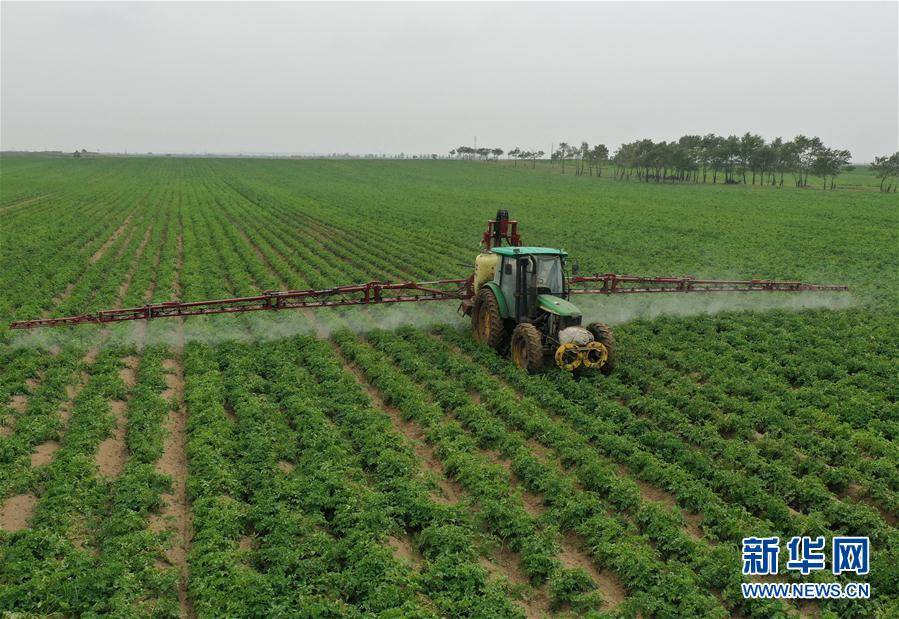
603	334
527	335
486	308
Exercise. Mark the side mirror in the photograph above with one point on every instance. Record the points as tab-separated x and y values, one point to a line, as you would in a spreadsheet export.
575	268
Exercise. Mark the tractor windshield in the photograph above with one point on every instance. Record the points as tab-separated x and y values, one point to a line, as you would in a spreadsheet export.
549	274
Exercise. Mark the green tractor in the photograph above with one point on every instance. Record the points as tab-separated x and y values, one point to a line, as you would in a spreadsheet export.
520	304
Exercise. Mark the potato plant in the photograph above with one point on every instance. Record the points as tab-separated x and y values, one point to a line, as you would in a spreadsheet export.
354	463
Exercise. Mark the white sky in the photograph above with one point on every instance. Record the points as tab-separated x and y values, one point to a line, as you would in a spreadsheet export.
372	77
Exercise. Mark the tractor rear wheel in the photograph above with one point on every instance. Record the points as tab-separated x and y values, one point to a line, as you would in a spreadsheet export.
603	334
527	348
486	323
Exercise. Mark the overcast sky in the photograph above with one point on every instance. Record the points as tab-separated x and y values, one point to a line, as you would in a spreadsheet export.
229	77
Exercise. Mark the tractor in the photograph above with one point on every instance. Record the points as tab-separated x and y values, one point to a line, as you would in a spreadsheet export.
522	304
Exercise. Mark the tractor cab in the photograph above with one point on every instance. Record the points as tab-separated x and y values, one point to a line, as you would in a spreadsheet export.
532	281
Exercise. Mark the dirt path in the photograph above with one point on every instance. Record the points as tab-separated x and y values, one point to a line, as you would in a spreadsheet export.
20	203
151	289
179	267
176	512
135	263
112	239
112	453
576	555
404	550
43	454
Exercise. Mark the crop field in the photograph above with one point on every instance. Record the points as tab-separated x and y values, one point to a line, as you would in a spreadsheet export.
378	461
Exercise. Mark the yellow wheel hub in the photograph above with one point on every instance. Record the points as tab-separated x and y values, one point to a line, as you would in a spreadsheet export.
594	355
567	356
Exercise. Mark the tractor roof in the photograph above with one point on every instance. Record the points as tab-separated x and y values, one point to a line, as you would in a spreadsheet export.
513	251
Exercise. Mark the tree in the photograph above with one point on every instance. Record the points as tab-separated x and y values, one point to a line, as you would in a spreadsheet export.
497	152
708	147
829	162
747	152
562	153
886	167
598	156
582	155
803	153
514	154
689	156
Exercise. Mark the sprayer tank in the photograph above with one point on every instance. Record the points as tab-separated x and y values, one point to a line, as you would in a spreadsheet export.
484	268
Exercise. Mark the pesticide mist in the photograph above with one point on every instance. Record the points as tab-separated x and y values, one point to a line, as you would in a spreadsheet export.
321	323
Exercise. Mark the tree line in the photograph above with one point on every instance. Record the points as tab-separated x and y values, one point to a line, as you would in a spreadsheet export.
713	158
710	158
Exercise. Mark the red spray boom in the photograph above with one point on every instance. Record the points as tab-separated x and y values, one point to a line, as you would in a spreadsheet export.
498	230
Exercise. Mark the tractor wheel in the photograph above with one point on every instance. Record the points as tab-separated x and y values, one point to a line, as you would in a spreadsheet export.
486	323
527	349
603	334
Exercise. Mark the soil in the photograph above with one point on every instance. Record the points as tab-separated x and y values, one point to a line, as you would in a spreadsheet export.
18	403
404	550
533	504
43	454
22	202
128	374
574	556
176	506
151	289
451	492
111	455
16	512
857	493
245	543
112	239
285	466
504	564
126	281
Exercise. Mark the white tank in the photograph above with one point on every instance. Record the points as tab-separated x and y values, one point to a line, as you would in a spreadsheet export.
484	268
578	335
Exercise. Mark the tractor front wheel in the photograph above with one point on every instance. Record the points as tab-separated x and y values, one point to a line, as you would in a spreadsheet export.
486	323
527	348
603	334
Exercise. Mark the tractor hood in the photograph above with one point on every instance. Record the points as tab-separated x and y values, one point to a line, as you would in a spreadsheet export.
557	305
